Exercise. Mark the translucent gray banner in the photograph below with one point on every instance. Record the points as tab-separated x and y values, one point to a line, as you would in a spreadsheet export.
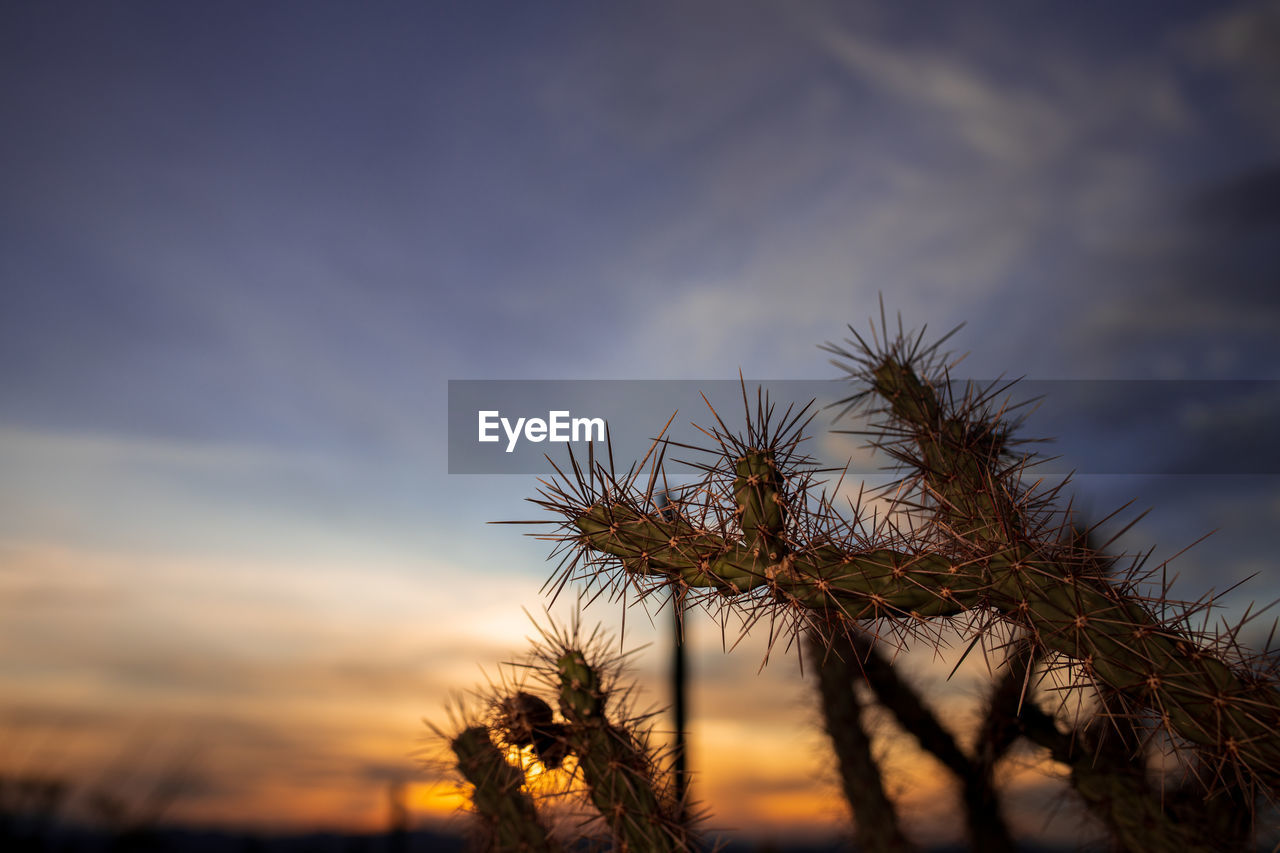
1097	426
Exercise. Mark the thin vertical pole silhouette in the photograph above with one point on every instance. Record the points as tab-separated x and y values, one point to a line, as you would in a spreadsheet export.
679	680
679	675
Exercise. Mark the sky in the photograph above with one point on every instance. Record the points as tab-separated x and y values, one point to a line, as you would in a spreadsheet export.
246	246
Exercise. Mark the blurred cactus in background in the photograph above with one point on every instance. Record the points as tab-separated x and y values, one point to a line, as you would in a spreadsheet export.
504	810
963	543
598	747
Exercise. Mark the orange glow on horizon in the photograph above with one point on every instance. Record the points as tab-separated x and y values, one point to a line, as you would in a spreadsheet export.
300	720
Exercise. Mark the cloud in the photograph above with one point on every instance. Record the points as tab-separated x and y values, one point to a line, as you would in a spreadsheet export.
1244	41
1250	200
1200	303
1018	123
916	168
996	121
291	678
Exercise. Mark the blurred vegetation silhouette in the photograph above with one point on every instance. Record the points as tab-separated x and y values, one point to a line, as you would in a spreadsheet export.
42	811
1165	728
122	813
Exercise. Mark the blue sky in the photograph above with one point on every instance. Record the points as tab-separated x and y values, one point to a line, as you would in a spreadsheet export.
245	246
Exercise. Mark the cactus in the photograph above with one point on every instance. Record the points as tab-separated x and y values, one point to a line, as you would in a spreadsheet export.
855	657
618	773
597	746
1113	784
876	825
504	808
980	547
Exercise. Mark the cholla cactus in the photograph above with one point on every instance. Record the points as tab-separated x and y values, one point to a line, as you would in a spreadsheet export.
844	661
876	825
505	811
966	543
598	746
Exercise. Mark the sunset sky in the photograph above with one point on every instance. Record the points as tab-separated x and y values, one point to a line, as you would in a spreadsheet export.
245	247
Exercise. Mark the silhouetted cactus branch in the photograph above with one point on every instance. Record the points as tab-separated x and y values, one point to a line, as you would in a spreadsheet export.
986	826
1113	783
596	743
620	776
499	798
875	819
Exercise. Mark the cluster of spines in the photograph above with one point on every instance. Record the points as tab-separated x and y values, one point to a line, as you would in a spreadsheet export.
754	534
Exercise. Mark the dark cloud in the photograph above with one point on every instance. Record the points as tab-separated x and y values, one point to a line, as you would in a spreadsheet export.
1242	41
1155	427
1202	299
1251	200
